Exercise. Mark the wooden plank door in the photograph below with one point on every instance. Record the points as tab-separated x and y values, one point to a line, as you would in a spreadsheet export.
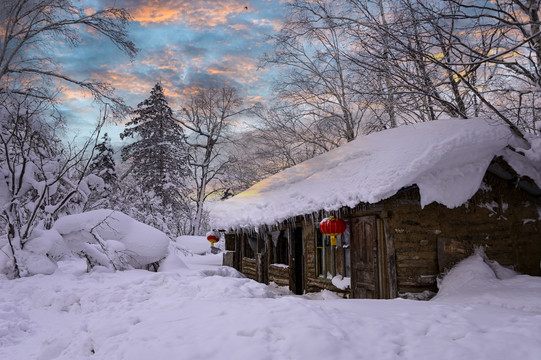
296	278
364	258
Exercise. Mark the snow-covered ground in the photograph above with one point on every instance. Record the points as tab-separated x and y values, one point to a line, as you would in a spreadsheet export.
212	312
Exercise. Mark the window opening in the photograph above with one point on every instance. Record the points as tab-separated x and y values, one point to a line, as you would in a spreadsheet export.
342	254
280	248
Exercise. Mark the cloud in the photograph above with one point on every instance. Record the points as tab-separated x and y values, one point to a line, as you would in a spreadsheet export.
276	24
241	68
167	59
184	44
200	13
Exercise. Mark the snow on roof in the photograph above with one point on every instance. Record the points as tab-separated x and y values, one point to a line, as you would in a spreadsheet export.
446	159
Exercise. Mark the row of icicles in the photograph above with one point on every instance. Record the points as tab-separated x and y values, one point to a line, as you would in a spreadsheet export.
330	226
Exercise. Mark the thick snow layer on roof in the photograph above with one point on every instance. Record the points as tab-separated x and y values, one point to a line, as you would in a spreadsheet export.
446	159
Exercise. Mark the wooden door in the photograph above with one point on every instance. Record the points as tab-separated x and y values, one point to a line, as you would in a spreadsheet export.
364	258
296	278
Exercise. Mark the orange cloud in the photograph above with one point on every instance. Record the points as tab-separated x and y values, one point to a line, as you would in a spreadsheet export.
276	24
166	59
121	79
71	94
243	69
198	12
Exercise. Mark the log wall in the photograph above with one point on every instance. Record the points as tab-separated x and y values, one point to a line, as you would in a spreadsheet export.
249	268
503	219
279	275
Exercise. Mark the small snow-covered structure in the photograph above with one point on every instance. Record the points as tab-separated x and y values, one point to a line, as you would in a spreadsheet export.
198	245
416	199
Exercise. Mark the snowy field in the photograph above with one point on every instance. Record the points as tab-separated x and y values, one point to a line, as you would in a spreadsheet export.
212	312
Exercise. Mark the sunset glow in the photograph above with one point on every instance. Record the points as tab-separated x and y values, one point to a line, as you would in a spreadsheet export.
183	44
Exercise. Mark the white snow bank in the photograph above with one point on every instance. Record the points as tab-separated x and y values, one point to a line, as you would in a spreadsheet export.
107	233
172	262
195	244
446	159
480	281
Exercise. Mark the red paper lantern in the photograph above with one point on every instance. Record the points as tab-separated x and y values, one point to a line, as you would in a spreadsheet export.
332	227
213	237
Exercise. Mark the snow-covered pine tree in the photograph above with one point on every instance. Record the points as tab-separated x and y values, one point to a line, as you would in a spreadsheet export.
159	162
103	165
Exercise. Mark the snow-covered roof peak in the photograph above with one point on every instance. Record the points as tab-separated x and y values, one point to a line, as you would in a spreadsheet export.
446	159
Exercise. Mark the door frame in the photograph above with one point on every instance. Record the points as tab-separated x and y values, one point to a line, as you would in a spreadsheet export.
383	270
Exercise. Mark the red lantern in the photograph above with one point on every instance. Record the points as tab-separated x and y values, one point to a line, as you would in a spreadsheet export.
332	227
213	237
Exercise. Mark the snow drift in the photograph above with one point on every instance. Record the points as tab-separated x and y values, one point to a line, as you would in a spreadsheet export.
478	280
105	238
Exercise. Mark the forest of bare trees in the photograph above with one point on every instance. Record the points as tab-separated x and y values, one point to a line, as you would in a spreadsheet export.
357	66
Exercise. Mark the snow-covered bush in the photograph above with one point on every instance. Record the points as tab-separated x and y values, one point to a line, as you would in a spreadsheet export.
104	238
112	239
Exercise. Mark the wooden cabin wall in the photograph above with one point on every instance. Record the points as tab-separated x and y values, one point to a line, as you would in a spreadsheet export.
279	274
249	268
503	219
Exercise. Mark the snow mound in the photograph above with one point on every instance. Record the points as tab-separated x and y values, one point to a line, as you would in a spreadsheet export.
224	271
195	244
478	280
111	235
172	262
446	159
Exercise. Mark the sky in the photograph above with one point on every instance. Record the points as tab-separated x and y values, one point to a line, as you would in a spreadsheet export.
183	44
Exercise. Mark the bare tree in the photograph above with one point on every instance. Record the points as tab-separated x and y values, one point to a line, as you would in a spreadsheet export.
319	80
31	28
513	61
208	118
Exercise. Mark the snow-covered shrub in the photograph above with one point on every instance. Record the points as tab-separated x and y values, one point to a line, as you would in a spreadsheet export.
112	239
104	238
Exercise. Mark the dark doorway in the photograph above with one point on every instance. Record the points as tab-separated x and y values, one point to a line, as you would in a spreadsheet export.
296	270
364	258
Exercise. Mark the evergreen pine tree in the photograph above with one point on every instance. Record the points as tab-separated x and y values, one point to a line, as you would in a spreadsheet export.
103	163
158	159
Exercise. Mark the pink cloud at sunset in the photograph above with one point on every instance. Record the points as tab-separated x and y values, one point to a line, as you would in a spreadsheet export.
198	12
243	69
184	44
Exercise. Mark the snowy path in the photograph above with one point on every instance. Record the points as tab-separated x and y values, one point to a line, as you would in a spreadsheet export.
209	313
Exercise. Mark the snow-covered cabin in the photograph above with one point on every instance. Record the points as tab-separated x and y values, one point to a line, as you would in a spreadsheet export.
416	199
